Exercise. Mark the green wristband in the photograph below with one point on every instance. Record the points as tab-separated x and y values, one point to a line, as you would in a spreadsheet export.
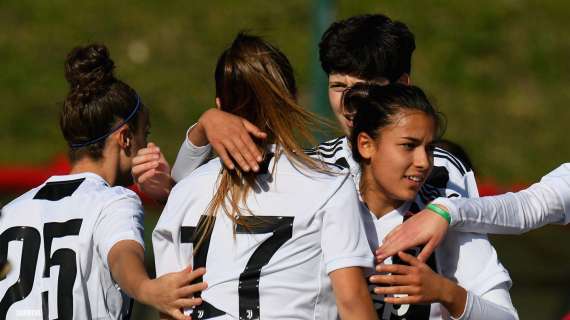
444	214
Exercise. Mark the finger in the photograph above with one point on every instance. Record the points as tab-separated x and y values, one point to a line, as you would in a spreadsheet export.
389	279
190	290
251	128
236	155
146	157
195	274
224	156
188	302
146	176
403	300
395	290
426	252
143	167
142	176
177	314
244	147
393	268
413	261
250	144
145	151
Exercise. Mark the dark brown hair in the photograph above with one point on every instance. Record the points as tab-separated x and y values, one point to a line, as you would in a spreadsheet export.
96	102
376	107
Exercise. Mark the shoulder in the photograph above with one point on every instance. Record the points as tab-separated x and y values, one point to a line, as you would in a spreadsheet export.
444	158
332	152
20	200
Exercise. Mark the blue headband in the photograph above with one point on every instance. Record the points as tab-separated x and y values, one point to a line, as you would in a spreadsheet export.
125	120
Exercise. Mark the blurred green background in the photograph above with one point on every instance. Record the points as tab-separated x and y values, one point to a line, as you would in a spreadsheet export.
498	69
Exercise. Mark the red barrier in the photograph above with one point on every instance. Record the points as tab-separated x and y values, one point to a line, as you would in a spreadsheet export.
15	179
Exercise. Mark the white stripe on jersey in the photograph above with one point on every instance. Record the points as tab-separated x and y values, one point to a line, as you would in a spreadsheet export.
307	225
57	237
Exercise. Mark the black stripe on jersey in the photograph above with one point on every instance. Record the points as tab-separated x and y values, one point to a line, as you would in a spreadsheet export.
458	159
192	235
328	156
129	313
342	163
438	177
330	148
332	142
57	190
453	160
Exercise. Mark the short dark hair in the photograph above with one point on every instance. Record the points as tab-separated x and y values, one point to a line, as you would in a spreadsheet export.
367	46
96	101
376	106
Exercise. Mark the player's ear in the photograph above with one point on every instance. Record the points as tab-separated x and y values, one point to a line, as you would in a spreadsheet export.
124	137
366	145
218	103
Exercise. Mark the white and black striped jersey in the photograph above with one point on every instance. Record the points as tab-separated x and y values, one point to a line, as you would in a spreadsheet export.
301	226
467	258
57	237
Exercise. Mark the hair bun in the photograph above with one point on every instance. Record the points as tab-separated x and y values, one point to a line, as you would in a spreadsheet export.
89	70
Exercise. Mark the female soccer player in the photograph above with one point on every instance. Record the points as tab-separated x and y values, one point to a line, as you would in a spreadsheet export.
394	129
277	242
75	242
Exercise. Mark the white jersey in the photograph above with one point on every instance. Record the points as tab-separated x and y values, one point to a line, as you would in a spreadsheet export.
57	238
306	225
466	258
547	201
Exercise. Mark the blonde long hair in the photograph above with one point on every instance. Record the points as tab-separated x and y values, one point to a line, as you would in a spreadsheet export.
254	80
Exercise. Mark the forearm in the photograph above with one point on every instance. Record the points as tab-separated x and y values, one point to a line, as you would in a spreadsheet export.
510	213
126	261
453	297
192	153
493	305
352	297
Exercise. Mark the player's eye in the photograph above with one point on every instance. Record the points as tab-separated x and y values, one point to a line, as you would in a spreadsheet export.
408	145
338	87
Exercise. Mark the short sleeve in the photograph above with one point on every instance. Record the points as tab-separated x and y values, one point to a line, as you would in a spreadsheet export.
170	254
189	158
343	239
121	219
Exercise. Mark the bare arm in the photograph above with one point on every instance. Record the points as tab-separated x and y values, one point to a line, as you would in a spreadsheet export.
168	294
352	297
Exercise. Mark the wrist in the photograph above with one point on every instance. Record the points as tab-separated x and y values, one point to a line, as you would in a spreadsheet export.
197	133
453	297
440	211
143	290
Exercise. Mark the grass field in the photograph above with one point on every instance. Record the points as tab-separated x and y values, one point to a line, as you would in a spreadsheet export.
497	69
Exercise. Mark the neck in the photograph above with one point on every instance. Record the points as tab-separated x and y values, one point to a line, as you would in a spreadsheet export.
102	168
376	199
